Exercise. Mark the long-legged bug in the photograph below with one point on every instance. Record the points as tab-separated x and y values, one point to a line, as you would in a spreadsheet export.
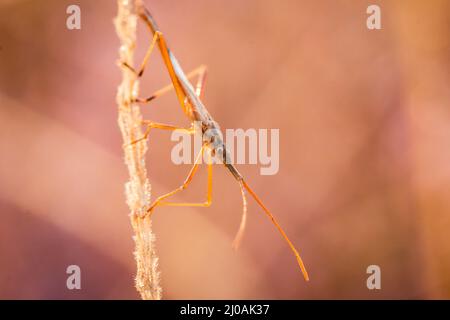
189	99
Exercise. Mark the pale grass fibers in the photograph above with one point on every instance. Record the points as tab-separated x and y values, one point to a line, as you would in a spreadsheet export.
138	188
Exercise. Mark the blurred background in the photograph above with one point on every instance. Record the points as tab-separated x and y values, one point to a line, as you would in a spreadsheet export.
364	173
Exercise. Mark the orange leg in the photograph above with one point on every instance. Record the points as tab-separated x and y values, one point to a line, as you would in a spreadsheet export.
200	71
141	69
154	125
160	200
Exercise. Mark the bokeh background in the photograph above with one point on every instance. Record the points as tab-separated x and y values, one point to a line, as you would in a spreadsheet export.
364	178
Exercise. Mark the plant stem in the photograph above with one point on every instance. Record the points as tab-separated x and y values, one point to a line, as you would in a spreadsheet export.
138	188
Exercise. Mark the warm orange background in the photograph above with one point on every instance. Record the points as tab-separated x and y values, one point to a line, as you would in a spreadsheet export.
364	174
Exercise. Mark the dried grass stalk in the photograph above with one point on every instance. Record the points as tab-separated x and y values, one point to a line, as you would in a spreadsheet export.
138	188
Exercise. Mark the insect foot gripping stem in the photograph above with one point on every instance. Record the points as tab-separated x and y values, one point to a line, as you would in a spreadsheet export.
272	218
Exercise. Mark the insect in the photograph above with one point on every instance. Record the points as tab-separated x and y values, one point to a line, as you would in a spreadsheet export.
213	143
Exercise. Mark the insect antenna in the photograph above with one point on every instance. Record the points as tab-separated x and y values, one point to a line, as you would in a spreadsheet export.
238	238
271	217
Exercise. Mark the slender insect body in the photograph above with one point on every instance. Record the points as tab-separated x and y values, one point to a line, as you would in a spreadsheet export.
213	140
195	110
